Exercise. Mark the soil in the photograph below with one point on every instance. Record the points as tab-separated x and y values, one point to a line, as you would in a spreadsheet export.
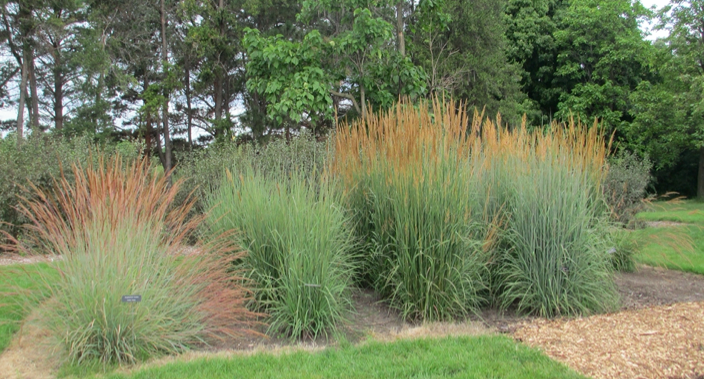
652	286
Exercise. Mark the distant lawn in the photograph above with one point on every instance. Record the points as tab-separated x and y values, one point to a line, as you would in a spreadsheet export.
686	211
465	357
12	278
678	247
668	247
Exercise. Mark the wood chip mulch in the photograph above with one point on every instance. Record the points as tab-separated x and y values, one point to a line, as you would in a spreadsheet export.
659	342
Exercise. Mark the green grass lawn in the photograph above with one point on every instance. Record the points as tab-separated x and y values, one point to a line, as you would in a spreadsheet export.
464	357
13	278
678	247
686	211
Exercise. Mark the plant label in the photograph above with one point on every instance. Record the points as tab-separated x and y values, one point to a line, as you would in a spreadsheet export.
131	298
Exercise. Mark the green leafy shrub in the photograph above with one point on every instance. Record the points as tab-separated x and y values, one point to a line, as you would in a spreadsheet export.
117	234
300	246
626	184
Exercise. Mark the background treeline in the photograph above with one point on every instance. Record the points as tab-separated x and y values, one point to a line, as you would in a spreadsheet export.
176	74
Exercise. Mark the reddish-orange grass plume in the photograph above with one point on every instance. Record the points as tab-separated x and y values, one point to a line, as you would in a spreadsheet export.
116	231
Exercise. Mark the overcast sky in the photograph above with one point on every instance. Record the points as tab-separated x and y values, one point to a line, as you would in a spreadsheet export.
6	114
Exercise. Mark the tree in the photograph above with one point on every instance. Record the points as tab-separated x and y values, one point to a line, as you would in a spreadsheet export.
581	57
670	112
56	39
462	46
353	58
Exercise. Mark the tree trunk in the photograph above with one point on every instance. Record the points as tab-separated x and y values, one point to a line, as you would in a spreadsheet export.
218	86
20	112
165	106
34	93
189	109
58	90
364	101
700	181
399	29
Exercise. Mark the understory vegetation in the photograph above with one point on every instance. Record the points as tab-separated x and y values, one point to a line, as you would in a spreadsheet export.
300	246
456	217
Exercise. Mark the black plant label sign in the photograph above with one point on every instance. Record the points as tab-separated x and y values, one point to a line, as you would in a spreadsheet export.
131	298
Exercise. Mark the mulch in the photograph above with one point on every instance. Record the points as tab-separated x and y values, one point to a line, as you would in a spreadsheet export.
658	342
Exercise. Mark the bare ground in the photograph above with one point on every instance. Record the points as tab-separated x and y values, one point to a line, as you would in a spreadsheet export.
13	259
31	355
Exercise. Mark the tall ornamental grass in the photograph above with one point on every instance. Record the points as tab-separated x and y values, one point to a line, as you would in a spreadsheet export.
556	255
440	200
300	247
116	233
557	260
418	209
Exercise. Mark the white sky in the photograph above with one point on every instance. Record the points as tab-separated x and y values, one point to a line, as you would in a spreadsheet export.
7	114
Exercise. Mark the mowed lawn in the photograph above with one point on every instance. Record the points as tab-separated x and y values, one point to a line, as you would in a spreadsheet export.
13	280
685	211
454	357
674	247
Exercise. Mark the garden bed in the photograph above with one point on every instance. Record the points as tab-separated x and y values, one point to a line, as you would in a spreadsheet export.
662	312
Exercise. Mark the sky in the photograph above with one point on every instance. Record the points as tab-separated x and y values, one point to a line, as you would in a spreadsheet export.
7	114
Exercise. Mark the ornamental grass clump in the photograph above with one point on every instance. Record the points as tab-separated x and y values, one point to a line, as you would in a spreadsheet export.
440	201
555	254
418	208
116	233
300	247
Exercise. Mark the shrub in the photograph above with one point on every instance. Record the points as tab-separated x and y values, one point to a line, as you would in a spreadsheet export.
117	234
203	170
39	161
300	247
417	207
626	184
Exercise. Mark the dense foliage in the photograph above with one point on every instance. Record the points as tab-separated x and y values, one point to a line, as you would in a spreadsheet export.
39	161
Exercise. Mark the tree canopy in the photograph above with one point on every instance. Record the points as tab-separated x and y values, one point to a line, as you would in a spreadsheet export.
180	73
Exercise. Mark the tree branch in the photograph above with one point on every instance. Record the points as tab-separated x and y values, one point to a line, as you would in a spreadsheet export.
349	97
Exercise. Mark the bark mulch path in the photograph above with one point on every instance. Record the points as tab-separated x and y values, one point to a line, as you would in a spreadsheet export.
664	341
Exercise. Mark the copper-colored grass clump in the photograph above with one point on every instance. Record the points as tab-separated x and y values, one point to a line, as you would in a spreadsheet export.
90	222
